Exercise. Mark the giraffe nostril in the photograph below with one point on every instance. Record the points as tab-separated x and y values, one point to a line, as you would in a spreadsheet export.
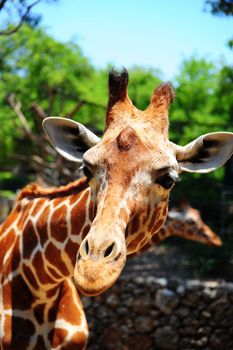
86	247
109	250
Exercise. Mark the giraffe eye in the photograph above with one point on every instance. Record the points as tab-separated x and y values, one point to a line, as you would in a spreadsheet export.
87	172
166	181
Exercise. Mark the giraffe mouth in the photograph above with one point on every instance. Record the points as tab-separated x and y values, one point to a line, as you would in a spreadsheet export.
93	278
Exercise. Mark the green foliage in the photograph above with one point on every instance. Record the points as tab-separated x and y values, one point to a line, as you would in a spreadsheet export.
220	7
193	110
35	67
142	83
213	262
61	80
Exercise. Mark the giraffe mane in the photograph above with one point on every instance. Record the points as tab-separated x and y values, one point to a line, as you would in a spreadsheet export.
34	190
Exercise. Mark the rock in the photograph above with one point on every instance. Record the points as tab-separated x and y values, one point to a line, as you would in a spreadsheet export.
220	304
155	282
166	300
216	343
155	313
209	294
206	314
144	324
200	343
204	331
193	284
138	342
166	338
191	298
112	301
161	282
188	331
141	305
87	302
180	290
174	321
182	312
111	339
121	311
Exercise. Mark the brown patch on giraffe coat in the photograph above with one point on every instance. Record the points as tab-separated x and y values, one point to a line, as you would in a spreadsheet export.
155	215
58	224
22	330
67	306
41	225
78	215
54	257
157	225
40	344
134	243
52	314
16	257
39	204
77	342
92	211
155	238
30	277
134	227
24	215
145	247
6	242
165	210
162	232
57	336
74	198
85	231
7	338
53	273
26	298
39	266
7	293
30	240
71	249
50	293
57	201
39	313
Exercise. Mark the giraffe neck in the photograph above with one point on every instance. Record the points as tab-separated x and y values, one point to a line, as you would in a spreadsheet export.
39	242
171	227
42	236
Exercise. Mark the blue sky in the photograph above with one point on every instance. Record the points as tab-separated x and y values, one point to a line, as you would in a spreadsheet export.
153	33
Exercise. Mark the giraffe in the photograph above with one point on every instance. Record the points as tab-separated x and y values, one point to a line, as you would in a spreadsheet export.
59	241
185	222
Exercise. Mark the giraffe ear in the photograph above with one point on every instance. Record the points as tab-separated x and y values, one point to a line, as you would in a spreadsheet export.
206	153
70	139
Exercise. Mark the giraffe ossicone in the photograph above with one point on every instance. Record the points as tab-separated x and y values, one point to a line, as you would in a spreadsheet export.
61	240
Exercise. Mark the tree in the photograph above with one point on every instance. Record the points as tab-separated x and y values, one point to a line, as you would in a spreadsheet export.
37	71
15	13
221	8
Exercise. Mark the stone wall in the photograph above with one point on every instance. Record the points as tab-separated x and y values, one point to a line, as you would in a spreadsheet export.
141	313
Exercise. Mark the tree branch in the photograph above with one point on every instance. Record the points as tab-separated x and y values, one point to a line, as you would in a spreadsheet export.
38	110
16	106
22	19
2	4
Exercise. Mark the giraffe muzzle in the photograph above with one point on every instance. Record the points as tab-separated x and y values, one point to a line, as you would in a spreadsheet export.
98	267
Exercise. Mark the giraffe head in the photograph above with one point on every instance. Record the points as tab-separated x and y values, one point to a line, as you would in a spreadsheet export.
131	172
187	223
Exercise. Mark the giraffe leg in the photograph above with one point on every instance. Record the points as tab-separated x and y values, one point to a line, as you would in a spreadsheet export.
71	329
